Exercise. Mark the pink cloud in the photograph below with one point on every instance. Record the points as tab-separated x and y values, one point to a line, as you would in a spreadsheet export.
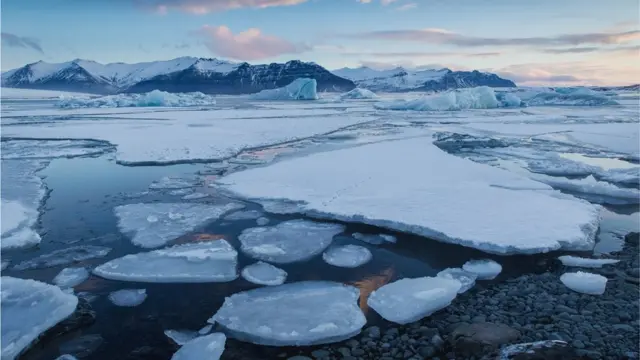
201	7
248	45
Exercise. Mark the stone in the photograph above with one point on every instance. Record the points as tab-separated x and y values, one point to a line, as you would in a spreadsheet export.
357	352
299	357
82	346
623	327
319	354
373	332
578	344
426	352
468	339
344	351
437	341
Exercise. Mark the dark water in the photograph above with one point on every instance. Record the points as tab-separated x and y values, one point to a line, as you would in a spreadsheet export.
79	210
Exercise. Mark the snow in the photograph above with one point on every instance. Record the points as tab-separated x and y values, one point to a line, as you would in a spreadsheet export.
434	194
243	215
408	300
295	314
181	337
359	93
485	269
289	241
213	261
299	89
375	239
149	99
128	297
586	283
262	273
482	97
208	347
391	79
568	260
71	277
467	279
349	256
31	94
29	308
155	224
64	256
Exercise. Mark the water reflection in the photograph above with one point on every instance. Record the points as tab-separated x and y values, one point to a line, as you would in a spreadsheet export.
371	283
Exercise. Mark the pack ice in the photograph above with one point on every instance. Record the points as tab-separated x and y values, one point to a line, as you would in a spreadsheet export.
70	277
262	273
568	260
152	98
212	261
295	314
289	241
155	224
208	347
409	300
349	256
29	308
586	283
435	194
299	89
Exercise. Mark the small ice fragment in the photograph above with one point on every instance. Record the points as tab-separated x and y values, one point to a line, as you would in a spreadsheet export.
586	283
180	192
128	297
208	347
171	183
243	215
467	279
70	277
349	256
66	357
205	330
4	264
195	196
485	269
568	260
181	337
262	273
262	221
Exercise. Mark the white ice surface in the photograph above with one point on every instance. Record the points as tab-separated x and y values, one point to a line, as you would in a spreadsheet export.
49	149
149	99
485	269
70	277
209	347
181	337
467	279
348	256
262	273
568	260
128	297
586	283
28	309
607	193
359	93
408	300
173	183
299	314
299	89
213	261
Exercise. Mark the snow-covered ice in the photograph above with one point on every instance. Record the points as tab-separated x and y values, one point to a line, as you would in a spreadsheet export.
155	224
299	89
359	93
408	300
128	297
29	308
485	269
577	98
181	337
348	256
375	239
212	261
49	149
586	283
295	314
262	273
32	94
568	260
289	241
482	97
205	329
209	347
604	192
152	98
467	279
16	222
243	215
70	277
64	256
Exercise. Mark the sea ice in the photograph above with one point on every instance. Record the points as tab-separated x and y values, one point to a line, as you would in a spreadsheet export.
408	300
208	347
568	260
172	183
212	261
349	256
467	279
205	329
49	149
128	297
485	269
66	357
181	337
262	273
152	98
70	277
299	89
155	224
289	241
577	98
359	93
630	176
16	218
295	314
195	196
262	221
482	97
65	256
243	215
598	191
375	239
586	283
28	309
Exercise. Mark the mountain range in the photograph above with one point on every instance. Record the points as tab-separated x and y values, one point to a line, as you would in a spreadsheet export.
215	76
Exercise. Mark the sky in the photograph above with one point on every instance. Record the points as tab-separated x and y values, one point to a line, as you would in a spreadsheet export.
541	42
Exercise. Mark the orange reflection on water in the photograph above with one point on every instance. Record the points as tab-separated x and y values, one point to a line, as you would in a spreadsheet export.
370	284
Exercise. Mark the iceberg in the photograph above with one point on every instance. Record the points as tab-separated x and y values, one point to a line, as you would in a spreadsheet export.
128	297
484	269
28	309
586	283
289	241
212	261
577	97
295	314
71	277
208	347
467	279
155	224
149	99
408	300
568	260
348	256
181	337
262	273
299	89
482	97
359	93
375	239
65	256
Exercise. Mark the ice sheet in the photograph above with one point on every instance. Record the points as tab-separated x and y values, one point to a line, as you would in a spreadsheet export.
586	283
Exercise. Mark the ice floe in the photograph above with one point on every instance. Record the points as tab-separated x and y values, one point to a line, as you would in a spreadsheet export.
172	183
374	239
208	347
568	260
485	269
295	314
212	261
348	256
586	283
408	300
49	149
70	277
29	308
482	97
64	256
128	297
466	278
299	89
598	191
155	224
244	215
262	221
289	241
359	93
262	273
152	98
576	98
181	337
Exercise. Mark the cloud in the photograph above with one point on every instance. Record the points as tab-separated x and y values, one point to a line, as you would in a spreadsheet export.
248	45
592	49
21	41
406	7
201	7
383	2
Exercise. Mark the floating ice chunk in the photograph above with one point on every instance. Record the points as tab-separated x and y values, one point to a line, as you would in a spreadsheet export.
181	337
485	269
16	222
66	357
213	261
262	221
482	97
281	206
349	256
598	191
208	347
262	273
359	93
629	176
409	300
568	260
29	308
289	241
205	329
64	256
375	239
578	98
149	99
70	277
153	225
586	283
128	297
243	215
172	183
467	279
4	264
299	89
295	314
180	192
195	196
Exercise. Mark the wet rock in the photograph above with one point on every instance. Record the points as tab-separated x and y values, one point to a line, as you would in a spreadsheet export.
478	338
632	238
426	351
299	357
82	346
373	332
320	354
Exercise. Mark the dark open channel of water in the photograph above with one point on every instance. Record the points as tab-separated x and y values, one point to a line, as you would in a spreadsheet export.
79	210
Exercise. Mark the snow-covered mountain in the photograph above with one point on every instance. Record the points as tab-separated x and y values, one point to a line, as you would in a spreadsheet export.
401	79
185	74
